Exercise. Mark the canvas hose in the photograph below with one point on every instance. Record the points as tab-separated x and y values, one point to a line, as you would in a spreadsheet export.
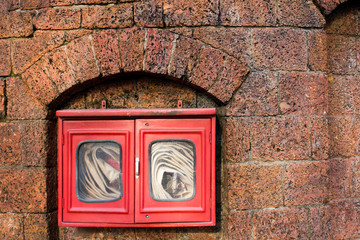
172	170
99	172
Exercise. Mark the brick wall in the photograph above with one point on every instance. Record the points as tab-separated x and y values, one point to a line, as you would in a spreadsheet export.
283	77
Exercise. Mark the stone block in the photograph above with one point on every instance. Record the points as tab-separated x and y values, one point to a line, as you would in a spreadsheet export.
253	186
33	4
11	226
58	18
148	13
191	13
301	13
320	223
320	139
16	24
159	45
306	183
257	96
39	83
59	69
342	54
281	138
5	66
231	77
209	66
317	40
282	223
19	96
184	57
23	190
82	59
279	49
303	93
131	45
106	49
340	177
240	226
234	41
111	16
10	144
237	139
248	13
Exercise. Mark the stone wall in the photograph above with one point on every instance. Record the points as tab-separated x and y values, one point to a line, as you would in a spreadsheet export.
282	74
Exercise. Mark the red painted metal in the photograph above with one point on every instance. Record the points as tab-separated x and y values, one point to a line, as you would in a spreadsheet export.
135	130
180	104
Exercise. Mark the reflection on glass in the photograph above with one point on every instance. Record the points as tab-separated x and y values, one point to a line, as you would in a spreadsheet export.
99	171
172	170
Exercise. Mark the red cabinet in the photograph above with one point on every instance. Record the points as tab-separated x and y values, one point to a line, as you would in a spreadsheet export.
137	167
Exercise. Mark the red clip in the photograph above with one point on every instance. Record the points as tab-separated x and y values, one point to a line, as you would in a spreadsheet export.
103	104
180	105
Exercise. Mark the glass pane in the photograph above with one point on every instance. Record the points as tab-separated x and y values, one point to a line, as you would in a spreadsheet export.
172	165
99	171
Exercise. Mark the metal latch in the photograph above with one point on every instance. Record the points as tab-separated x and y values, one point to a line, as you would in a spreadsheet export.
180	105
137	165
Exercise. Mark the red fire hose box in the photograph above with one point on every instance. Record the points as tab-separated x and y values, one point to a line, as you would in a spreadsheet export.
137	168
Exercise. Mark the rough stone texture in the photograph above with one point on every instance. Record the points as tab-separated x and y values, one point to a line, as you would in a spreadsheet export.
184	57
320	223
39	83
11	226
344	95
107	51
116	16
252	187
279	49
342	54
344	132
320	139
16	24
59	70
5	66
36	226
59	18
306	183
23	190
345	21
2	98
248	13
300	13
239	225
38	143
303	93
32	4
72	2
191	13
285	223
97	233
148	13
234	41
159	45
27	51
237	139
209	66
81	56
232	75
355	178
329	5
131	45
317	41
9	144
284	138
9	5
18	97
258	95
340	178
345	219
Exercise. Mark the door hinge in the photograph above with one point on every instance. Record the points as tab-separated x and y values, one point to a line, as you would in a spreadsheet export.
210	140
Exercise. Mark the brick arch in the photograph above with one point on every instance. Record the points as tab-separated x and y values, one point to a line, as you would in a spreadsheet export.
328	6
156	51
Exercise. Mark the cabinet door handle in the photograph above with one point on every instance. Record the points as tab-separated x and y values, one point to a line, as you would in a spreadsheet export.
137	165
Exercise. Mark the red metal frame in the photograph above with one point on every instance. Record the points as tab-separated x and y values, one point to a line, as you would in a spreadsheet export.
135	129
